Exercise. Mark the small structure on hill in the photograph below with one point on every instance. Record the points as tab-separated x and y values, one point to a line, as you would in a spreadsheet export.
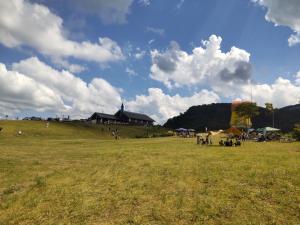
33	118
122	116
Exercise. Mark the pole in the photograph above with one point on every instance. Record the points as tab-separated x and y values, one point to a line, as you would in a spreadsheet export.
273	118
251	92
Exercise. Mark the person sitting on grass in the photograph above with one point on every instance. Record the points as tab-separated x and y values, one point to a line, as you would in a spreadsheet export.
228	143
237	142
221	143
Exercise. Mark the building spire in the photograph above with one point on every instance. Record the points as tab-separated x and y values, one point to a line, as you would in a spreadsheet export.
122	107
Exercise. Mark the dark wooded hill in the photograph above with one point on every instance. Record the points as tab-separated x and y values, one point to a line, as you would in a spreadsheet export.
217	116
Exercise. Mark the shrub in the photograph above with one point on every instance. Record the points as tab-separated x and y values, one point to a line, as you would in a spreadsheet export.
10	190
40	181
297	132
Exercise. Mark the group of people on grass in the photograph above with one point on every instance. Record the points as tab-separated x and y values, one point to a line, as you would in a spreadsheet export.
233	140
230	142
204	141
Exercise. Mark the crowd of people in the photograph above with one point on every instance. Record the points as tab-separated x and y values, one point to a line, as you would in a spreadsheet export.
230	142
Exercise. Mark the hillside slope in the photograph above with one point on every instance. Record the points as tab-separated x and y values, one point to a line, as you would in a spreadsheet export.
77	130
213	116
217	116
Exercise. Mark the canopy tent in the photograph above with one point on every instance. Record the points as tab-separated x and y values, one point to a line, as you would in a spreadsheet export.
265	130
271	129
181	130
260	129
214	133
234	131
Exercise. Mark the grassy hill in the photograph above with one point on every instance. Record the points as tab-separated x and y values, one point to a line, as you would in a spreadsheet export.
75	130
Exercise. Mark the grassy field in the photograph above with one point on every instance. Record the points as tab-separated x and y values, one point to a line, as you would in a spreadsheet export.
75	130
81	179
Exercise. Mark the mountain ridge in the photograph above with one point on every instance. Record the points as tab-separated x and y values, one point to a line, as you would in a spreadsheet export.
217	116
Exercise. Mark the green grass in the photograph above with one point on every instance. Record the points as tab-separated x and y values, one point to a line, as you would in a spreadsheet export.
75	180
74	130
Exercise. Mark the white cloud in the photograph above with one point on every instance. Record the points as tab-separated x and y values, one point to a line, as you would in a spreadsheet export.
73	68
109	11
131	72
25	24
298	78
281	93
179	4
294	39
19	92
154	30
35	85
151	41
226	74
140	54
145	2
161	106
205	65
284	13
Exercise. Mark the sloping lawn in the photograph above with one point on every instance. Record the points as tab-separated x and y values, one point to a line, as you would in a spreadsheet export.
147	181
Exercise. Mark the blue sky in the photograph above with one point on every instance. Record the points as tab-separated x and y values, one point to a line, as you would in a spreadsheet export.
159	57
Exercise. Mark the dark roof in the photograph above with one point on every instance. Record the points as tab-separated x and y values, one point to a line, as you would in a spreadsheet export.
104	116
137	116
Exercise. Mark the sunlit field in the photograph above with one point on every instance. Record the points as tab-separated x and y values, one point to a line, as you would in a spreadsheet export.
171	180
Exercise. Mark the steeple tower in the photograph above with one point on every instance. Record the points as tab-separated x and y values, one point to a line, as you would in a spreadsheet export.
122	107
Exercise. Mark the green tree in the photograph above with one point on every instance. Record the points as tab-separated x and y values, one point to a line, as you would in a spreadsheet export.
297	131
247	110
270	108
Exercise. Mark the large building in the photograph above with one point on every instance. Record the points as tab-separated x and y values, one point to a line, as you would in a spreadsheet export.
122	116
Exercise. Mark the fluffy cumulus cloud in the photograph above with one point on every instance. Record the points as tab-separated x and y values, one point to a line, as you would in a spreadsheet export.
226	74
206	64
30	24
281	93
109	11
31	84
284	13
161	106
20	92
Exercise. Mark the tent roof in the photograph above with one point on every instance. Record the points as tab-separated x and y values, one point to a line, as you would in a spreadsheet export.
267	129
270	129
181	129
233	130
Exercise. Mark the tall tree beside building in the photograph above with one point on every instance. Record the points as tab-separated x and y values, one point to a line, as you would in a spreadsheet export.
270	109
247	110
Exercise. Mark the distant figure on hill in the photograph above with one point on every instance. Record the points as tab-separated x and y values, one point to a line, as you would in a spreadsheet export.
47	124
116	134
